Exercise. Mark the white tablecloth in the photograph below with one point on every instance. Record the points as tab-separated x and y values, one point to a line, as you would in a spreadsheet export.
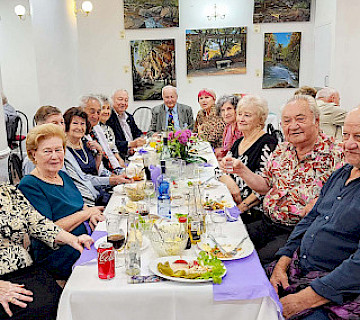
86	297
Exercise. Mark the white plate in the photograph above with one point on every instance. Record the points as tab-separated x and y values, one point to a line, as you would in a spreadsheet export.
153	268
247	247
145	242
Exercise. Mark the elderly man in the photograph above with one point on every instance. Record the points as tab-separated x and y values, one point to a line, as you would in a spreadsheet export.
331	115
91	104
322	255
293	176
171	113
127	133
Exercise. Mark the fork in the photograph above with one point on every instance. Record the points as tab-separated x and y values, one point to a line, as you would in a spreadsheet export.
234	251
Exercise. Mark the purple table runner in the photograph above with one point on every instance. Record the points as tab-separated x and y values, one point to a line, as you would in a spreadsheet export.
245	279
88	255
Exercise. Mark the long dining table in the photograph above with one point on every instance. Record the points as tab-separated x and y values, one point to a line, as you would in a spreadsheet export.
245	292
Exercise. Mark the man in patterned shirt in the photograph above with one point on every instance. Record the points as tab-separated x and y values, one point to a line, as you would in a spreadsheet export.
293	176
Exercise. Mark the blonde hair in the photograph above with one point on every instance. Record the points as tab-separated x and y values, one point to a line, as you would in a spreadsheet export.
41	133
260	104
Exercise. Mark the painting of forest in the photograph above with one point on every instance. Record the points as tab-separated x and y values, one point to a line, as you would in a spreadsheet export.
151	13
270	11
153	67
281	60
216	51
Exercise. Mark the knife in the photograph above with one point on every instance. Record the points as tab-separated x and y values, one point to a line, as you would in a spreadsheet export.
222	250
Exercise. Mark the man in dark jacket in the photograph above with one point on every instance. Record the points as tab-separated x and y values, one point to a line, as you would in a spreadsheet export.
127	133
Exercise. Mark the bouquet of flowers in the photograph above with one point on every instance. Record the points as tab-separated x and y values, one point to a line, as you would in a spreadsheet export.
180	142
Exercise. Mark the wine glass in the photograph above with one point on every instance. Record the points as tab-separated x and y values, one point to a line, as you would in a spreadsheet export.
116	236
218	218
149	190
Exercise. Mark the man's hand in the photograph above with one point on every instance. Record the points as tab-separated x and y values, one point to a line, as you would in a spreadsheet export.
304	299
307	208
140	142
279	276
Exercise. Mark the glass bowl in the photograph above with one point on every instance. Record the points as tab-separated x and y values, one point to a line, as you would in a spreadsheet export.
135	192
171	239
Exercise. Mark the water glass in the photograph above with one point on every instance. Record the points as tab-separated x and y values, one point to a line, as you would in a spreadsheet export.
116	236
149	189
219	219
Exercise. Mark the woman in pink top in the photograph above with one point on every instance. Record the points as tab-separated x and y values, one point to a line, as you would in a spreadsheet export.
226	107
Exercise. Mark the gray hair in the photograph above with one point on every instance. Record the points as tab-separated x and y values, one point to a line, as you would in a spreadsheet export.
234	100
85	99
259	103
105	100
168	87
310	101
326	92
118	90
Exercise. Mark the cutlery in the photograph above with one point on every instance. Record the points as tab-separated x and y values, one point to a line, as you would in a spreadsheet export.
222	250
207	180
234	251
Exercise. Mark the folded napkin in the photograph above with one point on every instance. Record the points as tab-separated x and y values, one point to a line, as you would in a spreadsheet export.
88	255
155	171
205	164
245	279
232	213
142	151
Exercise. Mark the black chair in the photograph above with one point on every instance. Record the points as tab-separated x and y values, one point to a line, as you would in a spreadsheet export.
142	117
14	169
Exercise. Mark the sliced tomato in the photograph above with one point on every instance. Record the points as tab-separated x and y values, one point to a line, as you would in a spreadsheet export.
181	261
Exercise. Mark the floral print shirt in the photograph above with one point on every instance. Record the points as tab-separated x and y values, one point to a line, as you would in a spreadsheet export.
210	127
294	183
18	218
110	136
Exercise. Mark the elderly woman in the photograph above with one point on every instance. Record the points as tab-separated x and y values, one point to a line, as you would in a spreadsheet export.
27	291
83	163
208	124
53	193
226	107
253	149
106	106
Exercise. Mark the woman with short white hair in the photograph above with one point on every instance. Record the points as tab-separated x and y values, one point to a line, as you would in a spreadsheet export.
253	149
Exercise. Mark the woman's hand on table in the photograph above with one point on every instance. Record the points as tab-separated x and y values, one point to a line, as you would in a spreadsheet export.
119	179
81	241
94	215
95	219
14	293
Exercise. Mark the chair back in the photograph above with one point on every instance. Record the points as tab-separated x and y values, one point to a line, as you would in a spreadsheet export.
142	117
14	169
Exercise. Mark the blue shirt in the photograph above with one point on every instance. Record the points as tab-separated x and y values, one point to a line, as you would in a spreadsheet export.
329	237
175	117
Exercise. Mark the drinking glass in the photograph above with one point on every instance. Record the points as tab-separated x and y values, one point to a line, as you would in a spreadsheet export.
116	236
219	219
229	164
149	190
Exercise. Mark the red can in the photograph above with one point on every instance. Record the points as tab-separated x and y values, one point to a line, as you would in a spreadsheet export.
106	261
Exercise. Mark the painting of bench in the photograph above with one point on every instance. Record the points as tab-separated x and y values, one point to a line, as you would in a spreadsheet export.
217	51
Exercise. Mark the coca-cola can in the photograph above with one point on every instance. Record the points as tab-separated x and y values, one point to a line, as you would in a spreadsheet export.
106	261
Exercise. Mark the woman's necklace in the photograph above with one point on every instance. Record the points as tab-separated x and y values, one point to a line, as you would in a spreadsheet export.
73	147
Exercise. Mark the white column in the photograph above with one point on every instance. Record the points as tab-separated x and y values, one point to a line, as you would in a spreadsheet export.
55	43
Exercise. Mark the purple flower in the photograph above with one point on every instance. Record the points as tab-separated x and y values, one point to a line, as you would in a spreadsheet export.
171	135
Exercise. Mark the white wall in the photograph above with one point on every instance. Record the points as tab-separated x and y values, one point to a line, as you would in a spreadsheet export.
102	59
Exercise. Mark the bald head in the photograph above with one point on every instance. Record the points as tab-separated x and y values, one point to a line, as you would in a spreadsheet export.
121	101
329	95
351	137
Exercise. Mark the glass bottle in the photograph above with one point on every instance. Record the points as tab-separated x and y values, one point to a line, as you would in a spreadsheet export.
133	258
163	188
165	153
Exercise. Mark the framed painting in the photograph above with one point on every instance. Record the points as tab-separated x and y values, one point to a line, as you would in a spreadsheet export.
151	14
281	60
270	11
218	51
153	67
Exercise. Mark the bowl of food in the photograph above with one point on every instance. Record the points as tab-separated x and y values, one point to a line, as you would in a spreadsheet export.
135	191
168	238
